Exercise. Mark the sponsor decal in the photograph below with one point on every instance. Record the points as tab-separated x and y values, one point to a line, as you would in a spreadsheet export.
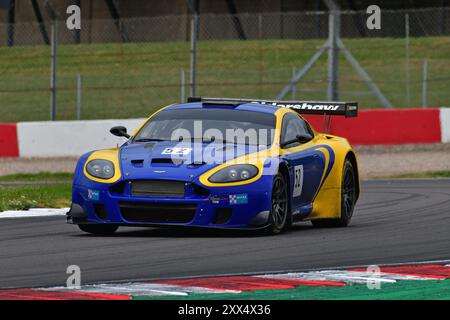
216	199
177	151
238	198
93	194
304	106
298	181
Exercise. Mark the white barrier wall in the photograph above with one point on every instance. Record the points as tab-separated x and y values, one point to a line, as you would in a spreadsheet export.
445	124
74	138
69	138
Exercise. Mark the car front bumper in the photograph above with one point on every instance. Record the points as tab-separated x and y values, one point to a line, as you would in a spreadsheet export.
236	207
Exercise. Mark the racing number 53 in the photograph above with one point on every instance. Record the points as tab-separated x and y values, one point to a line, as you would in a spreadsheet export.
298	181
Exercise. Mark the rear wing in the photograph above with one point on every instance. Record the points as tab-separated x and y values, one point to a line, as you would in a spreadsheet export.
331	108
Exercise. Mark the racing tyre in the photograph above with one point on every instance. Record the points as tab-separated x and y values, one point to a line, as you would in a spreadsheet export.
279	217
348	199
98	229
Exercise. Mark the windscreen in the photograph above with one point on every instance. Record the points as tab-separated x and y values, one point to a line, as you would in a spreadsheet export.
208	125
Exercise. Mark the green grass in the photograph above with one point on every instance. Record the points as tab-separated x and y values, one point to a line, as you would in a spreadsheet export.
23	198
131	80
433	174
57	196
38	177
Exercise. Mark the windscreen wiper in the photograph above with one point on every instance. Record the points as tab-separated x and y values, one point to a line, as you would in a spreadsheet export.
149	140
212	139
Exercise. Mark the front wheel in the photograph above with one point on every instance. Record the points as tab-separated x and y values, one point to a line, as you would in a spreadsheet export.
348	199
279	209
98	229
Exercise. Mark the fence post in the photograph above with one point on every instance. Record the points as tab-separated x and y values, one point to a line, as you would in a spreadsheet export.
194	35
11	23
78	97
443	20
424	84
407	66
54	46
334	25
294	89
260	28
183	86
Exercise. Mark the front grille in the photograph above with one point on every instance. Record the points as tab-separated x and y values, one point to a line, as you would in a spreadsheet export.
157	212
157	188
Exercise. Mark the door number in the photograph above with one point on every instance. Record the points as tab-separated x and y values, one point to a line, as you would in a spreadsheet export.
298	181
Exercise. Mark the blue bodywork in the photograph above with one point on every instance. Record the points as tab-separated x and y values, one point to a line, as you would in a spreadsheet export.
248	204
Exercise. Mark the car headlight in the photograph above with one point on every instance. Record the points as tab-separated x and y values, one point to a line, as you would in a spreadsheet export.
103	169
238	172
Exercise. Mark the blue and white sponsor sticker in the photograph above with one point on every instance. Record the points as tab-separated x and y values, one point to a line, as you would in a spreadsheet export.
93	194
241	198
217	199
177	151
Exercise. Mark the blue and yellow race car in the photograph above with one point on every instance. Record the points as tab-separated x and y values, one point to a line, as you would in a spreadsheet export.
221	163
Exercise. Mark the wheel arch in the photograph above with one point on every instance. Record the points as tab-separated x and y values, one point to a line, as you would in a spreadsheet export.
283	168
351	156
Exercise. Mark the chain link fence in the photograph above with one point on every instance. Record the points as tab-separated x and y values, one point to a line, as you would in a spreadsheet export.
129	68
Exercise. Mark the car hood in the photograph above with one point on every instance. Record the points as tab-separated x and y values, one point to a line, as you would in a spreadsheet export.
174	160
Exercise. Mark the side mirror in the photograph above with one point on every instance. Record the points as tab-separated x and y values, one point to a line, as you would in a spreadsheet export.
120	131
302	138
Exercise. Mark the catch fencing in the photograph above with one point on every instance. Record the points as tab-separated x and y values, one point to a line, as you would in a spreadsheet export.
127	68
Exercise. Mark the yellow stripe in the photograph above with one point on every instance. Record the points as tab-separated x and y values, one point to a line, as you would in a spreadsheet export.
113	155
107	154
326	153
257	159
148	119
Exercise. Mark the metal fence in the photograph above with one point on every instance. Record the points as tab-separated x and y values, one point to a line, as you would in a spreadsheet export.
127	68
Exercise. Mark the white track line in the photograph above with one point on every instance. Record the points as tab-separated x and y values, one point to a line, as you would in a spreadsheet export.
35	212
140	289
442	261
346	276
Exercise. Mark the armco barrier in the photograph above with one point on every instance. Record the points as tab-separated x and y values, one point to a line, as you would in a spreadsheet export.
397	126
73	138
8	140
445	125
69	138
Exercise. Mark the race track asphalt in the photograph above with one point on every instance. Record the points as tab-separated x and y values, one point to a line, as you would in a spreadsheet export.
394	222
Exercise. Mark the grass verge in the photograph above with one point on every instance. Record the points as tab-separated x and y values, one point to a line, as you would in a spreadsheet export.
419	175
38	177
58	196
24	198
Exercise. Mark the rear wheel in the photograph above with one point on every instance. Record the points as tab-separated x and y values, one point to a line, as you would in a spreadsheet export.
279	211
98	229
348	199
